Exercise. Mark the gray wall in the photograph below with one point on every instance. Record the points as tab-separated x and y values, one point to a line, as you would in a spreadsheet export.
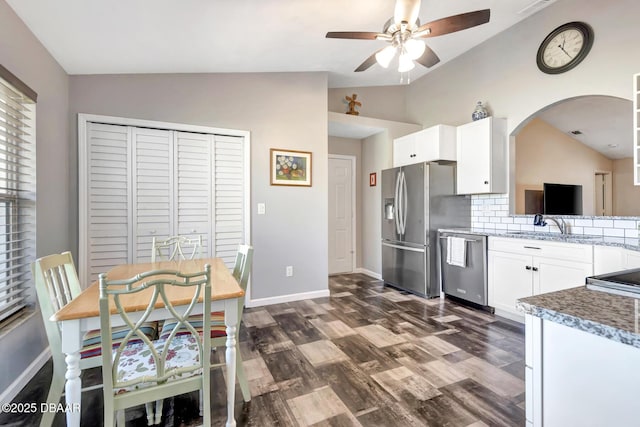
502	71
353	147
23	55
281	110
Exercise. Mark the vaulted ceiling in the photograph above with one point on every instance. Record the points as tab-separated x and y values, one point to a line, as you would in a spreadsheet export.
237	36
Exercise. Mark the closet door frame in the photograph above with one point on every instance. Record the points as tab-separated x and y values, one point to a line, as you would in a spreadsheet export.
84	119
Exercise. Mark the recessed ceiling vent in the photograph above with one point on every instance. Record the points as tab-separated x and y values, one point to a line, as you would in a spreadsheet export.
535	6
575	132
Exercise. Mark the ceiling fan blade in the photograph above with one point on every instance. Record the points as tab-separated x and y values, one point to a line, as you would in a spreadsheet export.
428	58
453	23
406	11
367	62
356	35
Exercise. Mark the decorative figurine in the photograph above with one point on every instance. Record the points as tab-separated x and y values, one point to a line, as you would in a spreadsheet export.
480	112
352	104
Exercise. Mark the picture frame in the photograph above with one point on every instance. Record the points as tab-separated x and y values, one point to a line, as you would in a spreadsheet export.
372	179
291	167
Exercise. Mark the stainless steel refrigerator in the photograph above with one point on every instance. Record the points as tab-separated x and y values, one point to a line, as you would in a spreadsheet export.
417	200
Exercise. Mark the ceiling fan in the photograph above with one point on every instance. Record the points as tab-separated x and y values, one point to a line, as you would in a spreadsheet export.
404	33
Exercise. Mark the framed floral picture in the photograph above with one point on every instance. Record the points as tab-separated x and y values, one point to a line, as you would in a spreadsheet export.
290	168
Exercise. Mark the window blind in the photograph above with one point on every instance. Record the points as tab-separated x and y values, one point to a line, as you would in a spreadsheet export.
17	193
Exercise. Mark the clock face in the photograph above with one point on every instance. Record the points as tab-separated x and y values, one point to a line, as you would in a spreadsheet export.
564	48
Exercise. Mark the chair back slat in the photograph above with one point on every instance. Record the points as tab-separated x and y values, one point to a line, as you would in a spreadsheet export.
56	284
176	248
158	281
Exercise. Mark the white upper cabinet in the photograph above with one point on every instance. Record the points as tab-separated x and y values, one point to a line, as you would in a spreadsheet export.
434	143
482	157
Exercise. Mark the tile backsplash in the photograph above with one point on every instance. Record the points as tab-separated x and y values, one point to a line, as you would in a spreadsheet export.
491	212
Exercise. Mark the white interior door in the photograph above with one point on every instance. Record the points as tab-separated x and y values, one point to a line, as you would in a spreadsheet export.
341	215
604	194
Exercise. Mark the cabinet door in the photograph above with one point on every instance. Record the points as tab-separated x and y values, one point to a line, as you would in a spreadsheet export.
552	274
510	278
404	150
152	161
473	152
607	259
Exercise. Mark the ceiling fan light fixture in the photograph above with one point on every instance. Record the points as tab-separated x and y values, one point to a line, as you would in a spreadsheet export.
414	48
385	56
405	63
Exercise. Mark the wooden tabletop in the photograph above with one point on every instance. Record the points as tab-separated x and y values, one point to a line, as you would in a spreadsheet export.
223	286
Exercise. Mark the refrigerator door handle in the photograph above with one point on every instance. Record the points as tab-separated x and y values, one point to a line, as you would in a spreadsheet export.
405	248
396	197
404	203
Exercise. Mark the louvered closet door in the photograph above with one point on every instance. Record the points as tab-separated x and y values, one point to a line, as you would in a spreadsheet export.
193	184
152	188
108	198
229	196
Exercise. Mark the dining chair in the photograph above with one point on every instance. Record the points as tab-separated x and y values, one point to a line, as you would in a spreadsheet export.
141	371
176	248
241	272
56	282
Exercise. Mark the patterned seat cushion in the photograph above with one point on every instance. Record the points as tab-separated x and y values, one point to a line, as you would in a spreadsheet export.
92	343
218	328
136	361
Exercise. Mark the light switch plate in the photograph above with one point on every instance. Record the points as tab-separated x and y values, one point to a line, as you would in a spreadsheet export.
261	208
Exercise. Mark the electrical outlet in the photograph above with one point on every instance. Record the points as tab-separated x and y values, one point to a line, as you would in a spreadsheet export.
288	271
261	208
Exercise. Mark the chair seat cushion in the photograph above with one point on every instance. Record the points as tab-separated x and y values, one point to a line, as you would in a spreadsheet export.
136	361
92	343
218	328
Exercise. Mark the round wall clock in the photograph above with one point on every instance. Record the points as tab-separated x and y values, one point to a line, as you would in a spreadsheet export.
564	48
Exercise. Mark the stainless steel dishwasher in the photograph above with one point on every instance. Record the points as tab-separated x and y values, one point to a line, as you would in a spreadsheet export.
469	282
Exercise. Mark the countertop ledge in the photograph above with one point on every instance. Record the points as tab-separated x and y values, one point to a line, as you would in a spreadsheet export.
610	316
621	242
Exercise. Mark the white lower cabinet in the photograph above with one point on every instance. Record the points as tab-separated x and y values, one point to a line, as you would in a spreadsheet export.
519	268
508	279
576	378
607	259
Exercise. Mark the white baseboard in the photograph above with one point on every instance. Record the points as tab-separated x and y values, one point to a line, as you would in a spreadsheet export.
286	298
368	273
9	394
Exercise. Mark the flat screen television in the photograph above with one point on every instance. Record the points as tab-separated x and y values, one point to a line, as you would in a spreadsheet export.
562	199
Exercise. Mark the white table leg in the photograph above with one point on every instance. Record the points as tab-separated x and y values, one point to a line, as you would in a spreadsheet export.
73	388
231	320
71	344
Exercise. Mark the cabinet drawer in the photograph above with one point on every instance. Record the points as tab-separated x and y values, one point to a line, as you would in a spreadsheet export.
558	250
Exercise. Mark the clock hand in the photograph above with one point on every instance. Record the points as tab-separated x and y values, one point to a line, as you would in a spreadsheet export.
562	49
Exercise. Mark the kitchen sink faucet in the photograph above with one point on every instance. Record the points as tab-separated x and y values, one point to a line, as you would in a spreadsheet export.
539	220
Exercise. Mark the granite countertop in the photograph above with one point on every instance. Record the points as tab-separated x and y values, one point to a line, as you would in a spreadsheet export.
622	242
607	315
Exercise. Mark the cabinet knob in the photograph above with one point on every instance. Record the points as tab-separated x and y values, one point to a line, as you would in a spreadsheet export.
528	267
486	182
535	268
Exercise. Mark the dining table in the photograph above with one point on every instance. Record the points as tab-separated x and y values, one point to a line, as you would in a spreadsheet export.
82	314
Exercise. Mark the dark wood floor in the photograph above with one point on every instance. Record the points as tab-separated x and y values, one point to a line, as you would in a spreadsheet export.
366	356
